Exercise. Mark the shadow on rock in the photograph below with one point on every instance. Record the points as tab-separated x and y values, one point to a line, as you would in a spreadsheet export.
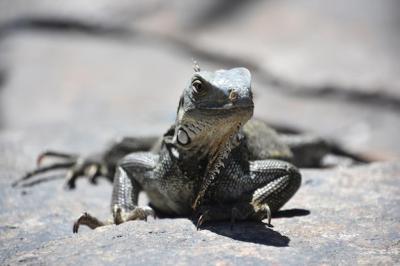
255	232
252	232
290	213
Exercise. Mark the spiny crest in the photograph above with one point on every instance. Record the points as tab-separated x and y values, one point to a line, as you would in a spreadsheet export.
196	66
214	169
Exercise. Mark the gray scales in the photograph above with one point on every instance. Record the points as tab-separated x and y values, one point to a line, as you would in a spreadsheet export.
214	163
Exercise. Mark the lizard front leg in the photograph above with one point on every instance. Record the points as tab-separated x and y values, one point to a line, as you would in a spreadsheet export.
274	181
132	170
263	191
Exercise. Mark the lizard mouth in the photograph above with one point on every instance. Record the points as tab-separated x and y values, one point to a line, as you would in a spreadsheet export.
243	104
227	111
228	106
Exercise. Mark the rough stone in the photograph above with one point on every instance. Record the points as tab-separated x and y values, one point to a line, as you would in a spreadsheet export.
362	129
108	87
346	46
349	47
339	216
101	12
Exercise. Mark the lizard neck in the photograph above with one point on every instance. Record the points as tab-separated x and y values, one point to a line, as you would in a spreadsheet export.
214	166
209	146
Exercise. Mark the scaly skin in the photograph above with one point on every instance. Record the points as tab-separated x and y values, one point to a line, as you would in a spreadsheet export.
203	166
215	161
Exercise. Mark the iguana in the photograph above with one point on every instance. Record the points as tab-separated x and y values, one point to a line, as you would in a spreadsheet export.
215	162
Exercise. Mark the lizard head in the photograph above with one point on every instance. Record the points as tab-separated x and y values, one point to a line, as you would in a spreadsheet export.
213	106
212	109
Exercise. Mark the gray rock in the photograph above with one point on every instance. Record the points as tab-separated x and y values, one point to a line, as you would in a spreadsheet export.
342	82
348	47
104	87
339	216
365	129
101	12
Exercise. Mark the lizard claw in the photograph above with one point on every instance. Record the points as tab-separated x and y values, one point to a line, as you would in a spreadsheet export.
84	167
77	167
88	220
264	211
41	170
139	213
202	219
265	207
93	171
54	154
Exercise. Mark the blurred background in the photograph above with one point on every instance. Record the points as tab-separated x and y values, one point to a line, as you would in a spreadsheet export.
75	74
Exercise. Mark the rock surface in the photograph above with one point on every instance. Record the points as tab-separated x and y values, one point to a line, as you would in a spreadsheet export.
345	47
342	216
96	82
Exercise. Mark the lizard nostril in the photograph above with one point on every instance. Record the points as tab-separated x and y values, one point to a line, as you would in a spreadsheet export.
233	95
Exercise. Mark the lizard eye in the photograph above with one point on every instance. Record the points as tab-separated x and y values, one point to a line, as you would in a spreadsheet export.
183	137
198	87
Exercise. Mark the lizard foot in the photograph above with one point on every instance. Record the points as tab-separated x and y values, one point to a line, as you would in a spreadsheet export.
223	212
261	212
235	212
88	220
138	213
204	217
77	167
